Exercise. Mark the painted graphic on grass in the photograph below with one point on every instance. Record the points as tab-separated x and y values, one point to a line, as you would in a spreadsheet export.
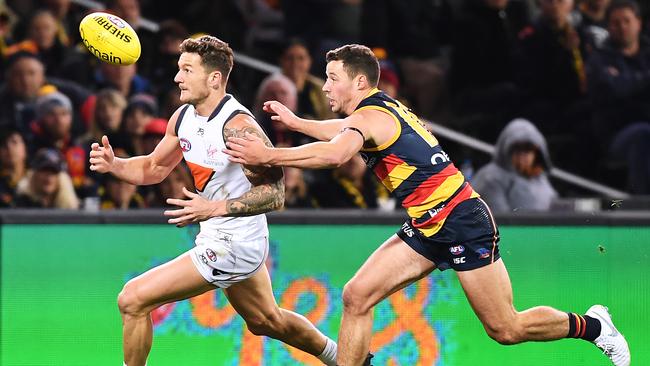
403	333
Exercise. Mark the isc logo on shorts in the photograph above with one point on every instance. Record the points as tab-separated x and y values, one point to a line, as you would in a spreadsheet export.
459	260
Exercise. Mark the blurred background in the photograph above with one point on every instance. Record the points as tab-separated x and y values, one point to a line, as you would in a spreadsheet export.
543	104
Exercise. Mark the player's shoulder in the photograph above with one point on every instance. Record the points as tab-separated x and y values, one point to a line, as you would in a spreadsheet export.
176	119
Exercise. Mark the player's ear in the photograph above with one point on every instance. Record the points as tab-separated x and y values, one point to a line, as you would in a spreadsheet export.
215	79
362	81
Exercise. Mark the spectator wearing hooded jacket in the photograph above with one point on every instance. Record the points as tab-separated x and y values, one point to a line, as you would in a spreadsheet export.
516	178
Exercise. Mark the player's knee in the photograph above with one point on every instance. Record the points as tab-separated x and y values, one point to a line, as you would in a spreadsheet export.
268	324
354	300
128	300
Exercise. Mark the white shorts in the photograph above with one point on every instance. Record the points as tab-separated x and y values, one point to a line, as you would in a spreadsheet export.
223	260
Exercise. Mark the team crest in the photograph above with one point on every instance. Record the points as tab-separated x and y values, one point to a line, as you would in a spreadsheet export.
483	253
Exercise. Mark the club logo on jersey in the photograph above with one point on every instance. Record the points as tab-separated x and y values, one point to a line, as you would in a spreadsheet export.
457	249
211	255
483	253
200	131
185	144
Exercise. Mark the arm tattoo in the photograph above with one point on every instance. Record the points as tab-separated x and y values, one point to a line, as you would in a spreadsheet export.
267	193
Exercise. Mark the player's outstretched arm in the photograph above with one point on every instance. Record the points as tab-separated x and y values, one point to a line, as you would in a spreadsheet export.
320	130
318	155
139	170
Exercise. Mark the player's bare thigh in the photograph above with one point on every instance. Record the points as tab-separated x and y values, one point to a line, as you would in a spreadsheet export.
489	293
172	281
393	266
253	297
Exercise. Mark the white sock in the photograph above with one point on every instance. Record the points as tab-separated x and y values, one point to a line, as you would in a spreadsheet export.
328	356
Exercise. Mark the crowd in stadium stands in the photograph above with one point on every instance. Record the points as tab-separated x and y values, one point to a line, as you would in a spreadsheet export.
566	81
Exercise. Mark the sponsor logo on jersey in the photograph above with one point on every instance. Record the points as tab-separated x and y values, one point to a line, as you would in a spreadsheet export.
185	144
457	249
212	152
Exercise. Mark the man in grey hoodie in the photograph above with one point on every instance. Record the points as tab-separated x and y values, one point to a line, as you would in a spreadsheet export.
517	179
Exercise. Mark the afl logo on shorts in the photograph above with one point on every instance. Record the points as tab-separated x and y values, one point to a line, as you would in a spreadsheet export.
211	255
457	249
483	253
185	144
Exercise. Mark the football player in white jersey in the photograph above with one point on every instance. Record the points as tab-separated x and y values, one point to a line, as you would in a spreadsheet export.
233	242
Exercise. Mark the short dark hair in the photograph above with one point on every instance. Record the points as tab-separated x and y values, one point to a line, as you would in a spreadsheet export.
215	53
624	4
357	59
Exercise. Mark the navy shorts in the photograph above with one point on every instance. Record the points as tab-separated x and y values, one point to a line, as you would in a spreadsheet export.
468	239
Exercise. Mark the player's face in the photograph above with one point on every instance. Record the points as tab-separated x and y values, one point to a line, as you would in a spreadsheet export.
192	79
338	88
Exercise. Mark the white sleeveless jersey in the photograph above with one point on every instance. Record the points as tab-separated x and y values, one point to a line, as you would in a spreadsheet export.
215	177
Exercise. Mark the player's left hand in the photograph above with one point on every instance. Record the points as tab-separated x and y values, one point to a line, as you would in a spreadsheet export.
249	150
194	209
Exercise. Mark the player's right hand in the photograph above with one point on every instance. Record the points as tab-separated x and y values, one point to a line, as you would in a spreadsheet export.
101	157
281	114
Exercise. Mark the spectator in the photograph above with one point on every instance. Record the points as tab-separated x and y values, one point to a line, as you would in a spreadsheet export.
277	87
483	50
13	165
119	195
296	190
619	75
25	82
517	179
44	42
414	34
47	185
551	68
52	129
350	186
165	65
296	63
154	131
591	18
171	187
68	16
123	78
107	116
129	10
25	76
141	110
